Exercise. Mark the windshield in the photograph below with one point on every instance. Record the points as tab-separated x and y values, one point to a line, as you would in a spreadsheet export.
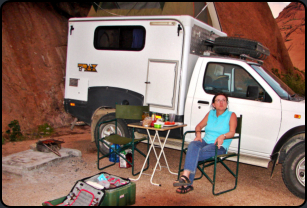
278	86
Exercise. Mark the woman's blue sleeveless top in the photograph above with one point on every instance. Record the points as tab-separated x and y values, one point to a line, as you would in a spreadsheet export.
217	126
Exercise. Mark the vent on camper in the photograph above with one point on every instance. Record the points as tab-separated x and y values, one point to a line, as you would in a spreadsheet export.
73	82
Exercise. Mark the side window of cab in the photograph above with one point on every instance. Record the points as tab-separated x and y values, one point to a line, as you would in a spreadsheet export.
234	81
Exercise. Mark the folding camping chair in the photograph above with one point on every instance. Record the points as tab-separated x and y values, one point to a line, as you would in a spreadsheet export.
216	159
122	112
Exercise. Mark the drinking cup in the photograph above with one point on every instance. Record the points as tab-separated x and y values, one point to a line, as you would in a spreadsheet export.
172	117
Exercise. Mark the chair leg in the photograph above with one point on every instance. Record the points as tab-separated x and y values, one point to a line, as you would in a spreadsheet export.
203	173
180	161
99	158
144	155
134	148
235	175
105	166
213	181
133	153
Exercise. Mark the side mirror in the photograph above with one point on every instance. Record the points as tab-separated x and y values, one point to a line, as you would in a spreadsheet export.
252	92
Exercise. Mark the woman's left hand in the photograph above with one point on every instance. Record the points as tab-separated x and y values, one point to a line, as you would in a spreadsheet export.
219	141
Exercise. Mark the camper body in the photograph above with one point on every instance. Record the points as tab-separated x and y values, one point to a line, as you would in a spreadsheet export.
157	73
159	61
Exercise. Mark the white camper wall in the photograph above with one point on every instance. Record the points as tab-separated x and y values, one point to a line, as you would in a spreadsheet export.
122	69
130	69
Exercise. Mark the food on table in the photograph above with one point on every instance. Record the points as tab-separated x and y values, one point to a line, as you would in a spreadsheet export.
169	123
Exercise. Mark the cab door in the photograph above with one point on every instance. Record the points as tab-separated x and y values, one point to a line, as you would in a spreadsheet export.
261	109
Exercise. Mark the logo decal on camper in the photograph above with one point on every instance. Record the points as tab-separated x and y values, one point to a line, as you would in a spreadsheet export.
88	68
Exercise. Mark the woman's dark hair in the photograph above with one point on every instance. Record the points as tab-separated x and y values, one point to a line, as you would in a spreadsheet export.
225	95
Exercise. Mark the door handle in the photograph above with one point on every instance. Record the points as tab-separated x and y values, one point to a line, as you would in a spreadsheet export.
203	102
147	82
71	29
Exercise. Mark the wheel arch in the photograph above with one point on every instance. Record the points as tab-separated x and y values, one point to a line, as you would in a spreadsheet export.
286	142
102	110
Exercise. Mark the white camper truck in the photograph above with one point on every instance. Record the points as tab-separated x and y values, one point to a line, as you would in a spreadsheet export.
163	61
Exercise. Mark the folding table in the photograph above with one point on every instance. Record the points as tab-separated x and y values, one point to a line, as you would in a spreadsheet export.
157	130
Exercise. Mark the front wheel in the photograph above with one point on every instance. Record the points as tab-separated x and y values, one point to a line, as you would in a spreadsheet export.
109	128
293	170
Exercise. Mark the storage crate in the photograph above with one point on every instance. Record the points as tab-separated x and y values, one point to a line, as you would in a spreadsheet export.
118	196
121	196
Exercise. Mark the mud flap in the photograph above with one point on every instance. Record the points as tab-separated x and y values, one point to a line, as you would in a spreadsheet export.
274	161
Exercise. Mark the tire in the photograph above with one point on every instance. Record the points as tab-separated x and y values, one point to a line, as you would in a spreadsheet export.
236	42
109	128
293	170
244	46
238	51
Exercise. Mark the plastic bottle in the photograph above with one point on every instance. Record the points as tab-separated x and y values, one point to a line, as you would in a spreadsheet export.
153	119
153	116
166	117
114	157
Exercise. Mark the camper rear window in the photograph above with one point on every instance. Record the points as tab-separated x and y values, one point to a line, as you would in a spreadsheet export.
128	38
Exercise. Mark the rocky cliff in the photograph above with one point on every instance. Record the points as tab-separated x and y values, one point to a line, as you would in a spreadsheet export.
254	20
34	40
291	22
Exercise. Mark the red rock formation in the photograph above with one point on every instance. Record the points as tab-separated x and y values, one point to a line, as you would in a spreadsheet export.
254	20
34	40
291	22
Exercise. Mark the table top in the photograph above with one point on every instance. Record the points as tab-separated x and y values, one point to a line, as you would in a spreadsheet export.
165	128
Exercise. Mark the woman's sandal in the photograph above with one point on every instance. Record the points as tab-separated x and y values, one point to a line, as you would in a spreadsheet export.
183	181
184	190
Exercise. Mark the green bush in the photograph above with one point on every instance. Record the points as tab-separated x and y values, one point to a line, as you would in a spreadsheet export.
293	80
14	132
45	130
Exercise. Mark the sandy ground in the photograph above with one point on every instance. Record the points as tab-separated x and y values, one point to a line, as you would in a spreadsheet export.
255	187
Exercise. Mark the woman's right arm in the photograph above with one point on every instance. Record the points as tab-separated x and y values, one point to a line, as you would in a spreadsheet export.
199	127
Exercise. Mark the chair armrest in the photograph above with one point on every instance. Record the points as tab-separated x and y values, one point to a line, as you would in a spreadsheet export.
188	132
235	137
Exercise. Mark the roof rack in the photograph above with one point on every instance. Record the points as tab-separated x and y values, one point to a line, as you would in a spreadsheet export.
244	57
209	53
210	43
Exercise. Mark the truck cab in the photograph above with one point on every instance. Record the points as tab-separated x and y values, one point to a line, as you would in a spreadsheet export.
273	116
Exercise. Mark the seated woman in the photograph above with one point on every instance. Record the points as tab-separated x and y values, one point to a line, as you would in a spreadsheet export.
219	123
